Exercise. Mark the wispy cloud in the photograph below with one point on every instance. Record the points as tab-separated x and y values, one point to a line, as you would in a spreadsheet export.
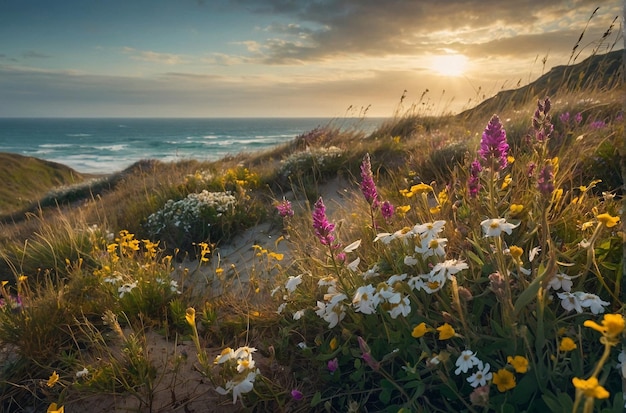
35	55
154	57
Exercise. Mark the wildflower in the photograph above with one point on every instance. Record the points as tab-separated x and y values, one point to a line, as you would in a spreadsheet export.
296	394
480	376
516	252
429	230
244	386
480	396
284	208
473	182
493	145
578	117
421	188
54	378
593	302
298	314
333	311
403	209
506	181
608	220
533	253
446	331
516	209
561	281
323	228
333	344
368	187
545	182
567	344
612	326
226	354
53	408
495	226
126	288
387	210
419	330
466	361
367	355
564	117
333	365
292	283
541	121
432	247
519	363
401	308
570	301
504	380
597	124
366	299
590	388
82	373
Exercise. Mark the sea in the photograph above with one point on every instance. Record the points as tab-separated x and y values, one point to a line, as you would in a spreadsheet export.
104	145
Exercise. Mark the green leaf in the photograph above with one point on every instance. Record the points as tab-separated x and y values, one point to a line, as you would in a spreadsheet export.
317	398
528	294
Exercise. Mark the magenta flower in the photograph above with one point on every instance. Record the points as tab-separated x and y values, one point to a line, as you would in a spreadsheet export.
578	117
545	182
473	183
530	169
368	187
284	209
333	365
367	355
323	228
387	210
493	145
564	117
598	124
296	394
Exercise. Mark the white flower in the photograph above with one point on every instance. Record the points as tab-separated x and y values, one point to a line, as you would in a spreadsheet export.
593	302
226	354
570	302
372	272
449	268
298	314
302	345
402	308
429	230
385	237
480	377
366	299
533	253
352	246
293	282
244	386
495	226
126	288
561	281
333	311
395	279
275	290
84	372
584	244
432	246
410	260
466	361
354	265
281	308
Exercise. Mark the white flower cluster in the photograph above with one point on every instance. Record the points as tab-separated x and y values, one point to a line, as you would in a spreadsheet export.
245	371
321	158
577	300
184	213
466	361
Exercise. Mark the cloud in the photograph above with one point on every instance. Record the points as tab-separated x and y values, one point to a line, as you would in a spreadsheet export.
35	55
334	28
154	57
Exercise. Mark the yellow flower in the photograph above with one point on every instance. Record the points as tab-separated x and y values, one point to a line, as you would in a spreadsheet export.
516	252
567	344
504	380
590	388
421	188
446	331
557	194
277	256
507	180
218	271
435	209
190	316
443	196
54	409
22	278
403	209
519	363
612	325
333	344
608	220
54	377
419	330
510	159
516	209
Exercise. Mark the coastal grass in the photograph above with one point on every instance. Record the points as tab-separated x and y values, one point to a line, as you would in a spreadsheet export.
364	312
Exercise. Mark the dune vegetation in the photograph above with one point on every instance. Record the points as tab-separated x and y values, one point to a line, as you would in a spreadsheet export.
466	263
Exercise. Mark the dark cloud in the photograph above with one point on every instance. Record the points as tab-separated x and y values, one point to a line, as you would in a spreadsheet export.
331	28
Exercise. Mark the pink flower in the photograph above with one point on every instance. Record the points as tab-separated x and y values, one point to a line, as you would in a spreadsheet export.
323	228
368	187
387	210
296	394
473	183
284	209
333	365
545	182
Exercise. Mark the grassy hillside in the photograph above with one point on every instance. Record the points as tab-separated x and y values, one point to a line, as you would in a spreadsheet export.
25	180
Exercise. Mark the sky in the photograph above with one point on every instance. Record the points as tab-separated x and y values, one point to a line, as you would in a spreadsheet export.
284	58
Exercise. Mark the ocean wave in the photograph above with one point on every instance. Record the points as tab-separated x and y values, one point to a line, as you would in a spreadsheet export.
112	148
78	135
55	145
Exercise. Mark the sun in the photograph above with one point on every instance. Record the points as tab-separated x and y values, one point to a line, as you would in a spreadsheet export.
449	65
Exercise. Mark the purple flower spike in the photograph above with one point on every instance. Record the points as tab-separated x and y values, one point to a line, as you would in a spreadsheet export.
545	182
493	144
323	228
473	183
541	120
285	209
368	187
387	210
578	118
